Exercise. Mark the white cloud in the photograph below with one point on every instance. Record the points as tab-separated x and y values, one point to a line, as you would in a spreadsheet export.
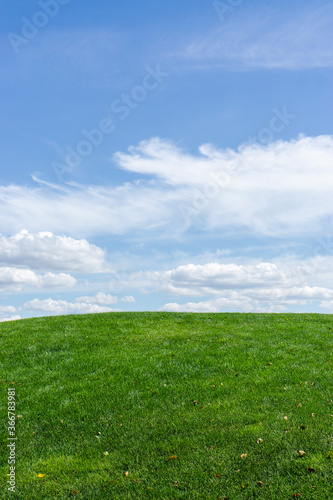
7	309
278	189
128	298
45	250
11	318
292	277
14	279
327	304
51	306
102	299
256	300
252	40
263	287
282	189
217	305
211	278
81	305
86	210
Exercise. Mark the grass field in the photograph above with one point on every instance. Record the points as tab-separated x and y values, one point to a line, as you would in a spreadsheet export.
164	406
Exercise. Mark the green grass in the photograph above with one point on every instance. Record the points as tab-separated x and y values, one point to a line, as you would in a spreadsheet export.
175	400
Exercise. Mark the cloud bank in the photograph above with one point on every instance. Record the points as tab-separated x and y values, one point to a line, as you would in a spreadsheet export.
279	189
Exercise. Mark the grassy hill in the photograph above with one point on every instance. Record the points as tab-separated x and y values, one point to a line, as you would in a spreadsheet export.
164	405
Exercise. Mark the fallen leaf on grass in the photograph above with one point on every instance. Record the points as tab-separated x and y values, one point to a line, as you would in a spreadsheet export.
301	452
260	483
40	475
105	453
218	475
173	457
126	473
149	488
286	418
212	448
244	455
312	414
176	484
260	440
311	469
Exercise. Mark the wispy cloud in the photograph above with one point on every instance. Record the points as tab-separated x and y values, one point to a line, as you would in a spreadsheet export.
264	39
281	189
89	58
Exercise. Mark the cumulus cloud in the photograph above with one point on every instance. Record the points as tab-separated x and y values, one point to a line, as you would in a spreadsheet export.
15	279
102	299
279	189
99	302
60	307
81	305
4	310
213	277
47	251
128	298
256	300
263	287
7	309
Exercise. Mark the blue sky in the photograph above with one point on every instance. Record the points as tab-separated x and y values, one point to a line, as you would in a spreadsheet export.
166	156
